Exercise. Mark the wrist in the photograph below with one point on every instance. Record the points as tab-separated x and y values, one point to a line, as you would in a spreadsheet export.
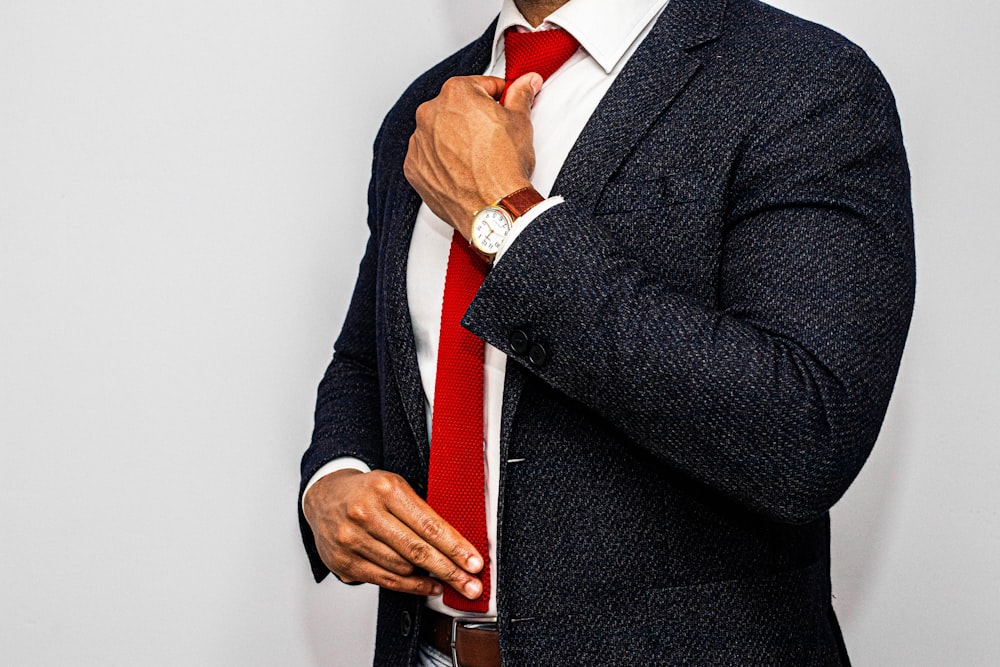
519	202
505	187
491	224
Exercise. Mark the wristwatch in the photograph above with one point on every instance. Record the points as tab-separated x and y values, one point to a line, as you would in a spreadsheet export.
491	225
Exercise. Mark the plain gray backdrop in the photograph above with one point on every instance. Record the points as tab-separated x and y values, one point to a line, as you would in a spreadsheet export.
182	202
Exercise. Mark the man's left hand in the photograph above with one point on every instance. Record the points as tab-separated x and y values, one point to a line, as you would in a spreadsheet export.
468	151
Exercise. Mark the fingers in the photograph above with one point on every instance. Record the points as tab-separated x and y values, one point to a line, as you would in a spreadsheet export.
422	537
493	86
422	554
521	94
373	527
390	548
429	526
382	555
374	574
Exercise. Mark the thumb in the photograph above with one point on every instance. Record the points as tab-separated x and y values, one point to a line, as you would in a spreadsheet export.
521	94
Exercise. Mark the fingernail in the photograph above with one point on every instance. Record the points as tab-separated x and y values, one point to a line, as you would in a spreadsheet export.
436	589
536	82
475	564
473	589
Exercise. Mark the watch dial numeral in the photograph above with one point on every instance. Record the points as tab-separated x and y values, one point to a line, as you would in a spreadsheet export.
489	229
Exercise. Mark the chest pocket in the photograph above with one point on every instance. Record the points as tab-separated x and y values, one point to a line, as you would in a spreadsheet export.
640	194
668	223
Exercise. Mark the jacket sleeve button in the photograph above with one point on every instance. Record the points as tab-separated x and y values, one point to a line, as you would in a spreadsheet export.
538	355
518	341
405	624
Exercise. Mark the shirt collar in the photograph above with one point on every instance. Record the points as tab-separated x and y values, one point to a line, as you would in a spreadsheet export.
604	28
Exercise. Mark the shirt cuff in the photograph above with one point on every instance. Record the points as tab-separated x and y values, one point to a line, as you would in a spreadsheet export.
336	465
524	221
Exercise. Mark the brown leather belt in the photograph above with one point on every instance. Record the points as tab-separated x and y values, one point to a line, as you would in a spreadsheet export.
476	644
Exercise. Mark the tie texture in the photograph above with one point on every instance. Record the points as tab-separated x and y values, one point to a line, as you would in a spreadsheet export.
457	477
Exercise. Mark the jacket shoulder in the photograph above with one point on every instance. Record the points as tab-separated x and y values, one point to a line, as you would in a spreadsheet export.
790	44
791	64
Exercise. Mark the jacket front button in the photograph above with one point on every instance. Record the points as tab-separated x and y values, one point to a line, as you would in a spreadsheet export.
518	341
538	355
406	624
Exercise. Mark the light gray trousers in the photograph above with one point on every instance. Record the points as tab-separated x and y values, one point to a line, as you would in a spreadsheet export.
428	656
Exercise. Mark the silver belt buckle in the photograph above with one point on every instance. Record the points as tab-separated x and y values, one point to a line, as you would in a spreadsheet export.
470	622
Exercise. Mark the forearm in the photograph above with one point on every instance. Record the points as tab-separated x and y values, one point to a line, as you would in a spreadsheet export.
768	384
750	411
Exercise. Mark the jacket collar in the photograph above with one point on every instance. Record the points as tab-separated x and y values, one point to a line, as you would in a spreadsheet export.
605	30
690	23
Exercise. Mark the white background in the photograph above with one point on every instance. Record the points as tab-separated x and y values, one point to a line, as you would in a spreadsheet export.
182	190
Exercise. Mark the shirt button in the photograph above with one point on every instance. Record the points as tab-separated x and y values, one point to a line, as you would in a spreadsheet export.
406	624
538	355
518	341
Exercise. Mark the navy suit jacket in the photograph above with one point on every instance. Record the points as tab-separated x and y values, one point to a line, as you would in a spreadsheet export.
717	314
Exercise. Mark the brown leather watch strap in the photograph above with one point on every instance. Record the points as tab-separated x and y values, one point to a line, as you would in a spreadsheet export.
521	201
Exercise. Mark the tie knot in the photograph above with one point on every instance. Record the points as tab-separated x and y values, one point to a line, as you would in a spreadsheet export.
543	51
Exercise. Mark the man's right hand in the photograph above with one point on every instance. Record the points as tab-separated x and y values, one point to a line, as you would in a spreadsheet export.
373	527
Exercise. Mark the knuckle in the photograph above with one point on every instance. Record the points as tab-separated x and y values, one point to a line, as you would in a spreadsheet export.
387	580
422	112
358	513
430	528
385	484
409	168
342	536
396	483
418	552
455	574
395	479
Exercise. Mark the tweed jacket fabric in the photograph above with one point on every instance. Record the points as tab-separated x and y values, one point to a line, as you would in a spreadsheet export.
717	314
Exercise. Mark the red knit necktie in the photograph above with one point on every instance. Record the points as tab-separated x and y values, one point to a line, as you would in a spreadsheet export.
456	483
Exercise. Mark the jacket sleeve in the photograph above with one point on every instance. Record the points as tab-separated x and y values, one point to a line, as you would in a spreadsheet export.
774	395
347	418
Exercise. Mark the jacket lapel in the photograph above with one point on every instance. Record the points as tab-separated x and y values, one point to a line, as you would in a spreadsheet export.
651	80
402	349
402	213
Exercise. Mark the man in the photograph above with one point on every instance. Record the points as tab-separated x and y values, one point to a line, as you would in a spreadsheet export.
692	327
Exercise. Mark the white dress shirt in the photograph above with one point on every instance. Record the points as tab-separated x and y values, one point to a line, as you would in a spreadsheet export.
608	33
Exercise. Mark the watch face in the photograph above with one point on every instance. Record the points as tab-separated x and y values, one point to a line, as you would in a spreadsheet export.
489	228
